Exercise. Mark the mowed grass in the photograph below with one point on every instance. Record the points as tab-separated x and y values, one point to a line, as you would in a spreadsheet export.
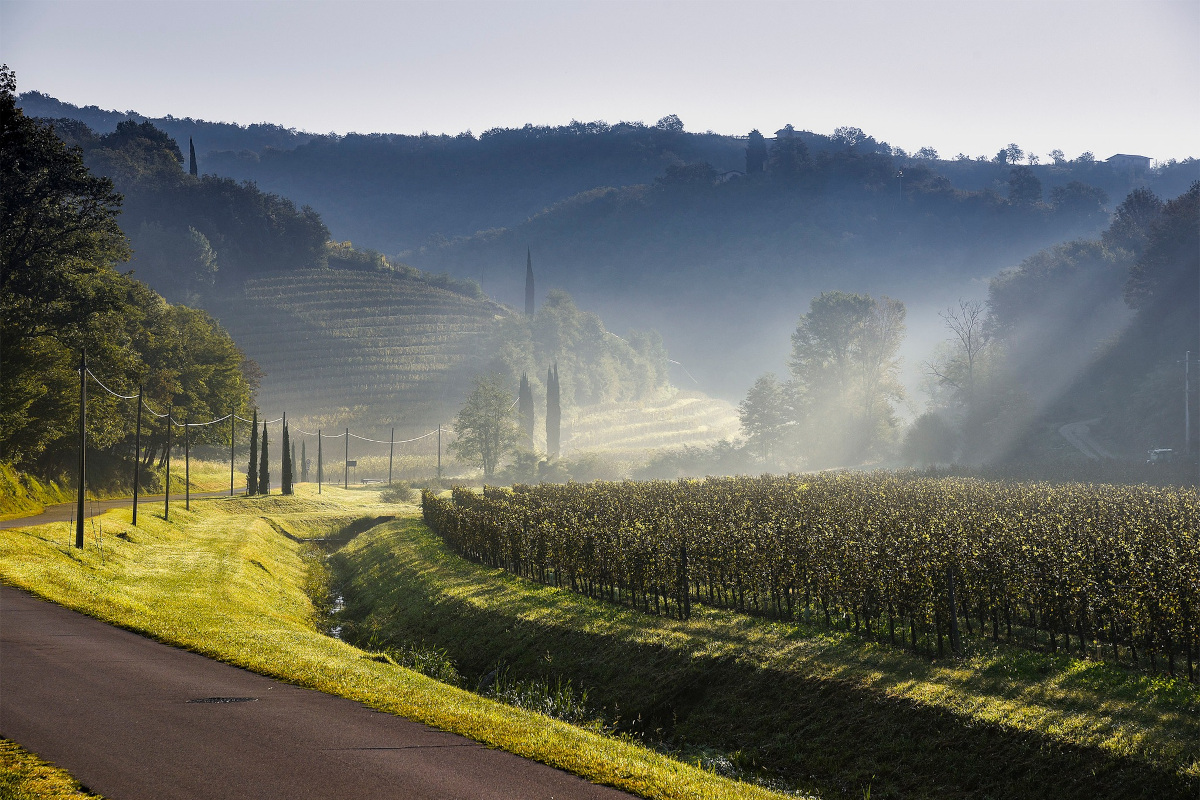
225	580
24	776
823	711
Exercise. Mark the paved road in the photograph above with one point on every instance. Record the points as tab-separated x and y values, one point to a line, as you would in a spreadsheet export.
65	512
120	713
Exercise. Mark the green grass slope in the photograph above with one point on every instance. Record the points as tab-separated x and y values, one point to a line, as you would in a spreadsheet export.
228	580
821	711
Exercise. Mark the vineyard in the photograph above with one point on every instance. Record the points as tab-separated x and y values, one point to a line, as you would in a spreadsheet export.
1108	572
371	347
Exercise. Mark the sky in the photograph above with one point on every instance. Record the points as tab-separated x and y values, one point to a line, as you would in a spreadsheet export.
962	76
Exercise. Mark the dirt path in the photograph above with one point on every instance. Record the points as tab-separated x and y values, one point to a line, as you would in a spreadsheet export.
131	718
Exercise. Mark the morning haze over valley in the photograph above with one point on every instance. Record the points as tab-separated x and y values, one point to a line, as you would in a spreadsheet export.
792	458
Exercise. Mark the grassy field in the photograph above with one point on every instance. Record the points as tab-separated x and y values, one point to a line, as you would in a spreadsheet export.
24	776
820	712
229	579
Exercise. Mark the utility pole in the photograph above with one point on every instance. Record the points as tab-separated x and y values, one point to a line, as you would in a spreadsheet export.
439	452
232	439
319	465
167	493
391	444
82	447
137	455
187	465
346	463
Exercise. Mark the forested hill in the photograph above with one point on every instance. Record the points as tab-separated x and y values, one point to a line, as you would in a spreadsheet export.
394	192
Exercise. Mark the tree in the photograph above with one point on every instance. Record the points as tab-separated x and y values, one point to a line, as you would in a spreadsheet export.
764	415
1132	222
789	154
252	471
1024	188
525	409
485	426
670	123
286	454
304	461
553	412
192	168
927	153
1079	201
844	366
1058	156
958	371
264	469
849	136
1169	265
1013	153
756	152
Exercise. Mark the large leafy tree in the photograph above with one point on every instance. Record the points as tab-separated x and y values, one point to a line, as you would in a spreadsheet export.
486	427
61	295
844	364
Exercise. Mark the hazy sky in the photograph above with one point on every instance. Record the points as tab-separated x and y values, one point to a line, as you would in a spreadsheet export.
958	76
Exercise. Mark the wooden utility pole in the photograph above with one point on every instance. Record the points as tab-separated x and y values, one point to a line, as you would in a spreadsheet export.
346	463
320	467
167	493
137	455
187	466
391	445
439	452
82	448
232	439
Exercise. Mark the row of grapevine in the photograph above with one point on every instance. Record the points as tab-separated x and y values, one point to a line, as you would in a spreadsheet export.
1111	571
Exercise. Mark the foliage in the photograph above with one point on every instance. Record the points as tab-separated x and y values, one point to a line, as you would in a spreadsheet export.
59	245
485	426
844	375
764	415
398	492
264	468
1098	568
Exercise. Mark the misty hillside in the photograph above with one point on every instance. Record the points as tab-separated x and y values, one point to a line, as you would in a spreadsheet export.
395	192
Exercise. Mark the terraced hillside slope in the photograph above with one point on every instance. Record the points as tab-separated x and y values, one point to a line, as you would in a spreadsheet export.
674	419
375	350
366	348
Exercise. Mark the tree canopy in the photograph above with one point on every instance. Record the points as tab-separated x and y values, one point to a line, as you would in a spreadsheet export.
62	295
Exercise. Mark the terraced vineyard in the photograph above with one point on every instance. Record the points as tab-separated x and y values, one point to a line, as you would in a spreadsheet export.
371	348
674	419
376	350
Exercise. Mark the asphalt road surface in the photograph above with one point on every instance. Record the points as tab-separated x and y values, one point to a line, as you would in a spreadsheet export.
131	718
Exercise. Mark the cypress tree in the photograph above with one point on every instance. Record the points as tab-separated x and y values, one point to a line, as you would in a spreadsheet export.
192	165
525	400
553	412
528	283
304	461
264	469
285	477
292	466
252	471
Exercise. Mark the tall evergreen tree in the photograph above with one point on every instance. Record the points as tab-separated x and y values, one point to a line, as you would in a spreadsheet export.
264	469
192	159
756	152
528	283
252	471
525	409
553	412
304	461
285	478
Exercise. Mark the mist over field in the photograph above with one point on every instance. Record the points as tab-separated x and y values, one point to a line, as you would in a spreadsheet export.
755	270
